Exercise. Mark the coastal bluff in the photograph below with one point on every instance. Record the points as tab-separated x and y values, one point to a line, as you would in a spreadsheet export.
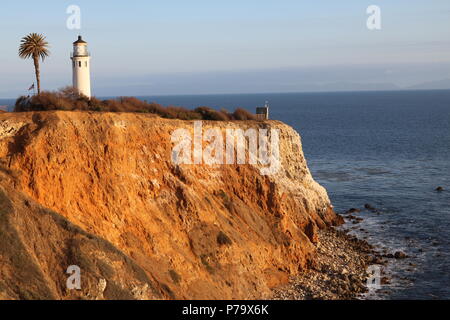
100	191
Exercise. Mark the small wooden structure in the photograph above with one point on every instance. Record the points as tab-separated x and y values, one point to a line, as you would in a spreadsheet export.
262	113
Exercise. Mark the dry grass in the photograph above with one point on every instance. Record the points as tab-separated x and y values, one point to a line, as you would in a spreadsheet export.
68	99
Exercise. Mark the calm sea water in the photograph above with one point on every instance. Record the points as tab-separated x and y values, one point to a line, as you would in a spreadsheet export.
388	149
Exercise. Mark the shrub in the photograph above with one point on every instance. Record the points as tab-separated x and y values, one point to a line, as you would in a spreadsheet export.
241	114
223	239
176	278
68	99
211	114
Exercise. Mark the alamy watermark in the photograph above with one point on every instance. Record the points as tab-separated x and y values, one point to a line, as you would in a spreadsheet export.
228	147
374	279
74	280
374	20
73	22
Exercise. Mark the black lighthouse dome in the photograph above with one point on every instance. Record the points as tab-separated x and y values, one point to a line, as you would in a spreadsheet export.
80	41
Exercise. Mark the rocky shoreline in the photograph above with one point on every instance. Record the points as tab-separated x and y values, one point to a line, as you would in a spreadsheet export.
340	272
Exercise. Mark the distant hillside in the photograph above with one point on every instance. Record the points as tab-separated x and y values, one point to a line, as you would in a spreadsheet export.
432	85
352	86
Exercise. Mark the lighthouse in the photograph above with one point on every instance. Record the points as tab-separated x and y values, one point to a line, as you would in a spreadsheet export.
81	66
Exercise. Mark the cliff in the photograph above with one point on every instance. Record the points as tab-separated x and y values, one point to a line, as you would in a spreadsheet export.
100	191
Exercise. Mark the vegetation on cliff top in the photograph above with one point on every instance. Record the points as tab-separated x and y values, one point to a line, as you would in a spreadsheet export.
68	99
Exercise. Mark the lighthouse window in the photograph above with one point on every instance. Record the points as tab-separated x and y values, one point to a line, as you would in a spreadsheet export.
79	64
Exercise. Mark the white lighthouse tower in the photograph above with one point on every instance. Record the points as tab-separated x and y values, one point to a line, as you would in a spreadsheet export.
81	65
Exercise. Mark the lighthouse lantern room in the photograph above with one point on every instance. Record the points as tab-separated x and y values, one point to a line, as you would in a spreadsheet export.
81	67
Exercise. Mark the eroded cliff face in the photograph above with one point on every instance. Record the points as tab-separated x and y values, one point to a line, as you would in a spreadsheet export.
186	231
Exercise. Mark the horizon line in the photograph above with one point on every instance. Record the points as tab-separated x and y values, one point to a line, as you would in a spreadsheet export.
258	93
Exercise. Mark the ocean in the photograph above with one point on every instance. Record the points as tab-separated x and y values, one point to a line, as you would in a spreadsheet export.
387	149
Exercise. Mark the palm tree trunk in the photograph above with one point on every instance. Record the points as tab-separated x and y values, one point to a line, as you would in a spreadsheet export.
38	73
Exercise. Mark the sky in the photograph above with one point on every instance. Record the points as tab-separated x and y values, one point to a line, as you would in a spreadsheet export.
234	46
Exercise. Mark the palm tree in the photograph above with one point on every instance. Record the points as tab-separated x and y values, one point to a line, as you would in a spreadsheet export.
34	46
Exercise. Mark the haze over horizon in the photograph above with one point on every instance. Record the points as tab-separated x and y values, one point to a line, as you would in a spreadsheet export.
201	47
